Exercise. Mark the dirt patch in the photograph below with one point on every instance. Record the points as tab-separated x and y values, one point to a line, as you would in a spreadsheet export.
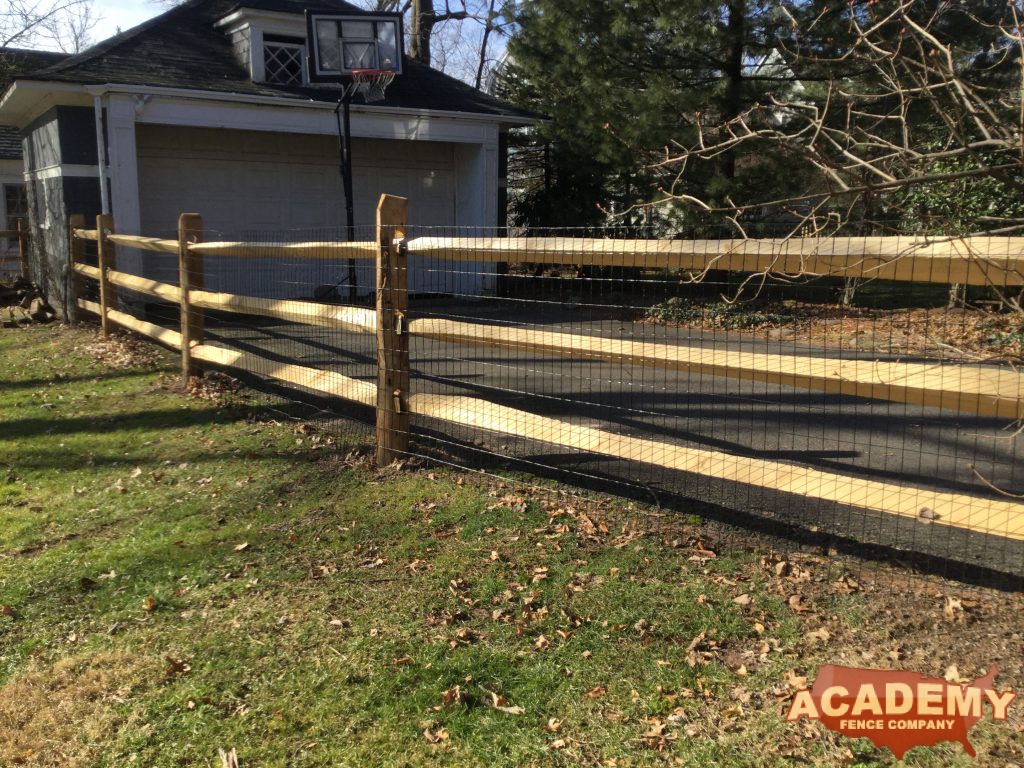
56	715
958	333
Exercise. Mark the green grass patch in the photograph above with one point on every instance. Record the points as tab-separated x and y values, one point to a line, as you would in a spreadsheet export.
181	576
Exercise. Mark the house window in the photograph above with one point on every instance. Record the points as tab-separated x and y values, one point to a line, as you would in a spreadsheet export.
15	207
283	63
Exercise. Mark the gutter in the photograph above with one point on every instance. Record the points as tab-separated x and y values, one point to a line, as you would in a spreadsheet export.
49	88
240	98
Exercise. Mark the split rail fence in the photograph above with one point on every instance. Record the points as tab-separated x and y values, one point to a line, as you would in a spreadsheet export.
975	389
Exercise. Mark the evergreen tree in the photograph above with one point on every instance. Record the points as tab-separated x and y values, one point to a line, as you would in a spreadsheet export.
622	82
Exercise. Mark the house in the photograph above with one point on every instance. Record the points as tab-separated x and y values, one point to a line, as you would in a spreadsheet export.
14	200
207	108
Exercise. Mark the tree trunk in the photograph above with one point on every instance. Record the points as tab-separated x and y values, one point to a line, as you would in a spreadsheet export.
423	20
733	70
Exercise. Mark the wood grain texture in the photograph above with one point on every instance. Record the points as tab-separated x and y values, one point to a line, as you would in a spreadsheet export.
976	389
144	285
992	516
325	382
107	256
145	243
997	261
157	333
285	251
392	333
190	278
305	312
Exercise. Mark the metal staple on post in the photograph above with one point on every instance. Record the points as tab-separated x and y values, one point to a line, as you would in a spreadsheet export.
392	344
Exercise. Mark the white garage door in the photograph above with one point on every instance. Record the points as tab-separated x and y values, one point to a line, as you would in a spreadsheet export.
249	184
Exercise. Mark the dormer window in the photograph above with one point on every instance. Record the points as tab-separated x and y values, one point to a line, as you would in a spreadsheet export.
283	59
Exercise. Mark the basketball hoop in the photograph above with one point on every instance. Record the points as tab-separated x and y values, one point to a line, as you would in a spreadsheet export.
370	83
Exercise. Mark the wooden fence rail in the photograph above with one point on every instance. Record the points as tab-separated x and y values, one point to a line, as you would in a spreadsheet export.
993	261
977	389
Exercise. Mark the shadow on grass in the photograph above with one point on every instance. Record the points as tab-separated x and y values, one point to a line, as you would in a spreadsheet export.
139	421
57	379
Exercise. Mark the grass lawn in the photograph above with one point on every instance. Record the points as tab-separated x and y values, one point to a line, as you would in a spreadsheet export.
181	575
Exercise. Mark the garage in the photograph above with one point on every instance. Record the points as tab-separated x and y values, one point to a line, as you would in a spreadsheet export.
262	186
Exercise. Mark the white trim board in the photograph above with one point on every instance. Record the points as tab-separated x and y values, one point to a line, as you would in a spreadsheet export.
68	170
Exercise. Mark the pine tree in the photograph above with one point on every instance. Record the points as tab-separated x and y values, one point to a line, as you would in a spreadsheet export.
622	82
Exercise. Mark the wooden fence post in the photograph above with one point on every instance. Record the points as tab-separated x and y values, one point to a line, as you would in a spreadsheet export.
392	331
23	234
107	261
190	270
76	255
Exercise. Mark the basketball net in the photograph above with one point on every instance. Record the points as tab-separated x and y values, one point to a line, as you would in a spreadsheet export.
370	83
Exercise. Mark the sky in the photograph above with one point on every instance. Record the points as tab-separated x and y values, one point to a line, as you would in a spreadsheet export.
121	13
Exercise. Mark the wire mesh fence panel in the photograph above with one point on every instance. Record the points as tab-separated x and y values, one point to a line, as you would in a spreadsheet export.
876	413
855	394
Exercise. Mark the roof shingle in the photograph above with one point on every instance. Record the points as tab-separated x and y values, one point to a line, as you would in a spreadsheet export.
182	49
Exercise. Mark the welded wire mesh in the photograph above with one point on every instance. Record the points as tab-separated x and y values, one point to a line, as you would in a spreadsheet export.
796	389
843	411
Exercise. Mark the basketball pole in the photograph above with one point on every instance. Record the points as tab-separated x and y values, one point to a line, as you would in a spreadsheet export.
343	116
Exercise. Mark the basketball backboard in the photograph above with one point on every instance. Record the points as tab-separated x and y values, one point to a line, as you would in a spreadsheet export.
342	43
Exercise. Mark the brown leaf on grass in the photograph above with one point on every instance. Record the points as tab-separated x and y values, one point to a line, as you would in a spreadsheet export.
558	744
822	635
500	703
435	737
657	735
242	547
796	681
554	725
542	643
846	585
797	605
176	668
150	604
742	600
6	610
953	675
597	693
452	696
340	623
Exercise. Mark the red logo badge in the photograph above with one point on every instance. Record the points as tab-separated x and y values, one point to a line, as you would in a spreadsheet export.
899	710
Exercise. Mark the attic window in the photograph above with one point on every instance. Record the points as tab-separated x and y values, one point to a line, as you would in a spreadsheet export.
282	62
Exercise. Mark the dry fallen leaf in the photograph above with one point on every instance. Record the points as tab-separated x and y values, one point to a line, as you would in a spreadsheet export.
435	737
796	603
554	725
500	703
150	603
596	693
796	681
953	675
742	600
821	634
241	547
452	696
